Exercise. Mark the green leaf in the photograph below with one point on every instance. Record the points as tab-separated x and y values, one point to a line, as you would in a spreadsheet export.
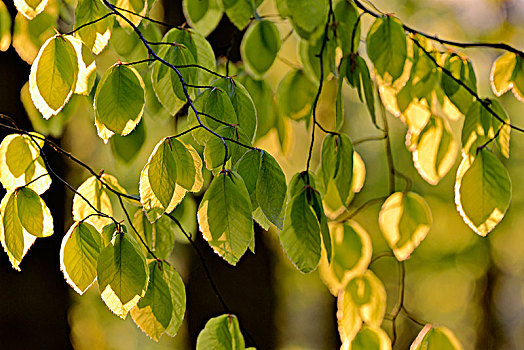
387	47
122	274
203	15
96	194
178	298
482	191
214	151
224	216
53	75
260	47
300	238
221	333
108	232
462	69
433	338
86	66
358	76
307	16
242	103
369	337
5	27
309	52
248	167
33	213
119	101
363	300
159	236
346	16
126	148
15	240
79	255
173	168
271	189
508	73
337	163
351	255
239	12
480	126
154	311
318	208
132	6
21	164
295	93
405	220
264	100
434	150
166	82
30	8
96	35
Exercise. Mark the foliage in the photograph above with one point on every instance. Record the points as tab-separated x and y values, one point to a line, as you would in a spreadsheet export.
226	117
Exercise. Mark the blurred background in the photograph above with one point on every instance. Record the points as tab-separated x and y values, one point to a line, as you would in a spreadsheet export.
472	285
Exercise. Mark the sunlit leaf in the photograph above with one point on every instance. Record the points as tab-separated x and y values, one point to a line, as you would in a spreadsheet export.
295	93
508	73
203	15
21	164
271	189
387	47
15	240
307	16
224	216
260	47
368	338
462	69
363	300
239	12
122	274
79	255
5	27
126	148
86	66
434	150
153	312
221	333
33	213
351	255
480	126
300	238
337	163
178	298
167	83
159	236
96	35
96	195
435	338
119	101
405	220
30	8
132	6
482	191
53	75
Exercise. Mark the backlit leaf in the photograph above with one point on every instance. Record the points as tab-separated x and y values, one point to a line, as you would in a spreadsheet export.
134	6
239	12
351	255
224	216
86	66
5	27
271	189
178	298
126	148
15	240
53	75
462	69
260	47
122	274
33	213
434	150
337	163
202	15
295	93
153	312
368	338
21	164
358	76
159	236
435	338
482	191
79	255
346	16
30	8
309	56
300	238
221	333
97	195
307	16
96	35
119	101
508	73
387	47
405	220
